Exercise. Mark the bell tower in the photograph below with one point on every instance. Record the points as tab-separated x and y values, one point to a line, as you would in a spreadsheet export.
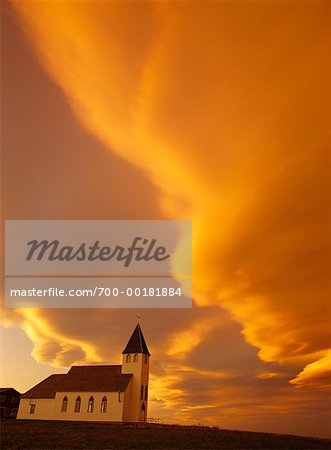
136	361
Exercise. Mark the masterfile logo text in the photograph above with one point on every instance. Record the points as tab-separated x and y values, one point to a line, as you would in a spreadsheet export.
98	263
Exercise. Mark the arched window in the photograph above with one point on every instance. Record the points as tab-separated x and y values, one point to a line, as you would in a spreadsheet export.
146	359
135	358
128	358
146	392
77	404
90	404
142	392
64	404
104	404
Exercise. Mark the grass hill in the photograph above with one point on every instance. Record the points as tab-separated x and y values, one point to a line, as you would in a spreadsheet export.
20	434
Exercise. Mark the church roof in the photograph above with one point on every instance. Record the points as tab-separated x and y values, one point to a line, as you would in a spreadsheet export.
137	343
46	388
82	379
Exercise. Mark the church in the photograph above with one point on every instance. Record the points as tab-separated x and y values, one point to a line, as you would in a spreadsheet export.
106	393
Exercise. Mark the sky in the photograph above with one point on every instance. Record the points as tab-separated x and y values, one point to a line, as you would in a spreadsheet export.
216	112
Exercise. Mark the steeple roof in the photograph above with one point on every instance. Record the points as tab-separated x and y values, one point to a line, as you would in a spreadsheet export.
137	343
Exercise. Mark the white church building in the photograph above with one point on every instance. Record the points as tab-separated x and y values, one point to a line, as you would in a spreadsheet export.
95	393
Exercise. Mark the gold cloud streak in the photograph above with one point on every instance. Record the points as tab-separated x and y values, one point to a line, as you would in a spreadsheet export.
221	106
318	372
51	345
185	341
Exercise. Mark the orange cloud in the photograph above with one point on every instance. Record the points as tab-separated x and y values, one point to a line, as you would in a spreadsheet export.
222	105
316	373
50	344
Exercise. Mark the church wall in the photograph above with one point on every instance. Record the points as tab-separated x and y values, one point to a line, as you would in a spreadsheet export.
43	408
140	371
51	409
127	404
114	410
144	382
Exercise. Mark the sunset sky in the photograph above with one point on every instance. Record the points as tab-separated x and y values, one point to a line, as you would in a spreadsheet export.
214	111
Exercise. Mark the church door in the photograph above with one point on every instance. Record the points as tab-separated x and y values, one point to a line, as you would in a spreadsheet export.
143	412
